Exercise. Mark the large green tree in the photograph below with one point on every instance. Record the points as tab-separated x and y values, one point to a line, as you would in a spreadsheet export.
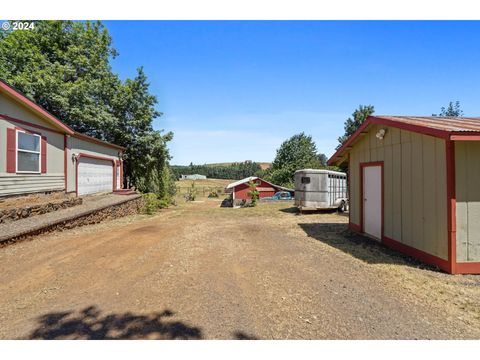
354	122
298	152
65	67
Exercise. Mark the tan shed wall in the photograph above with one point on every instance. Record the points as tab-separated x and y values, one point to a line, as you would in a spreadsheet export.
13	184
415	187
77	146
467	189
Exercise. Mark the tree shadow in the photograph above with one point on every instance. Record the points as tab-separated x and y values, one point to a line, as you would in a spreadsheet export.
91	324
240	335
361	247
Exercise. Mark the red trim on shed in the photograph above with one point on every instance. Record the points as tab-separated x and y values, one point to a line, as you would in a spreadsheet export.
451	206
392	123
467	268
418	254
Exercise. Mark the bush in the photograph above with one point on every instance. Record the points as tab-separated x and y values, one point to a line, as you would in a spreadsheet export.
213	194
152	203
191	194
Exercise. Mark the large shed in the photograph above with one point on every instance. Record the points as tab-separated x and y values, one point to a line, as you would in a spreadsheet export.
414	184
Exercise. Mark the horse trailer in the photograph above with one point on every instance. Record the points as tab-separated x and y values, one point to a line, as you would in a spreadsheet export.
317	189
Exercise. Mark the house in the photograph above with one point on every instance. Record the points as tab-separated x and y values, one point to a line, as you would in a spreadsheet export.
39	153
240	189
414	186
193	177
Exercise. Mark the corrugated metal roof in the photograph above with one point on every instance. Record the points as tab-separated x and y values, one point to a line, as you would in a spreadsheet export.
452	128
439	123
239	182
252	178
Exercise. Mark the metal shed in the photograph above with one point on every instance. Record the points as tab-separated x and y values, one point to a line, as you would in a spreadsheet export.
413	185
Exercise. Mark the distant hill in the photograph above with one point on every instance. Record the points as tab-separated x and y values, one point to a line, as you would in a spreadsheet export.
263	165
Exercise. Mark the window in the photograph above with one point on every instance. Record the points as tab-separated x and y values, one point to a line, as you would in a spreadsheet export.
28	152
305	180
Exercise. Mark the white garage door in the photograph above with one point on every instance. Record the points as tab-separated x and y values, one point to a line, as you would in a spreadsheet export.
94	176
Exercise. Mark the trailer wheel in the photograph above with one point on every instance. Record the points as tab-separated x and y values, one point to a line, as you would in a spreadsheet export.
342	207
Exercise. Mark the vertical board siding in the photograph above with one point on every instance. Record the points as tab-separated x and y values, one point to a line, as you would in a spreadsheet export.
415	205
467	186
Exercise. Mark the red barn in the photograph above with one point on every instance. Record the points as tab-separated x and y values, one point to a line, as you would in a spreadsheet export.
239	189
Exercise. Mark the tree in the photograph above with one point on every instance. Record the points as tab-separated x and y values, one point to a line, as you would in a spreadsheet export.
296	153
64	66
253	193
322	159
354	122
452	110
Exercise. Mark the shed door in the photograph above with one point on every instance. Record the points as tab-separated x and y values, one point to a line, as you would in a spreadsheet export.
372	201
94	176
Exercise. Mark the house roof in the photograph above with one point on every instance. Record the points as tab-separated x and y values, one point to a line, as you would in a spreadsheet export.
51	119
252	178
37	109
449	128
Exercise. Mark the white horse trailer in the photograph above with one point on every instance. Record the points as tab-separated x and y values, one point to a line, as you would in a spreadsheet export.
320	189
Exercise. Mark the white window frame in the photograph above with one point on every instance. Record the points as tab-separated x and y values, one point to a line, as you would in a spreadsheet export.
28	151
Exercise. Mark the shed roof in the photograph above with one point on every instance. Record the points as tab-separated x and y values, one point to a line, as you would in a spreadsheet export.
449	128
252	178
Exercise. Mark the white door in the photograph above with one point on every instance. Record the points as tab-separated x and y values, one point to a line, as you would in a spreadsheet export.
94	176
372	201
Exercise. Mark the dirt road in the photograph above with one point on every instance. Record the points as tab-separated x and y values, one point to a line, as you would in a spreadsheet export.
198	271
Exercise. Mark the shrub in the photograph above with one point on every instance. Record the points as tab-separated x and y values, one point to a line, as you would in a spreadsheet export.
253	193
213	194
150	203
191	194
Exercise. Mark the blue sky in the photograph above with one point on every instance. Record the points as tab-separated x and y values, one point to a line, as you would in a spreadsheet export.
233	91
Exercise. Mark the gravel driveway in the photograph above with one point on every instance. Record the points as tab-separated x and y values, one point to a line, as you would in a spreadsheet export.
198	271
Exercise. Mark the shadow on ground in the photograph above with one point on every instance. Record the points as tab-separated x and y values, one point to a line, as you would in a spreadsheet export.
240	335
362	247
294	210
91	324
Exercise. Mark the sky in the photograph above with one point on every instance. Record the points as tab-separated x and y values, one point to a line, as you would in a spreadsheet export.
235	90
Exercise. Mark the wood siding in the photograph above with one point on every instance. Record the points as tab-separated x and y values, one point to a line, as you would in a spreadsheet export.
467	188
415	197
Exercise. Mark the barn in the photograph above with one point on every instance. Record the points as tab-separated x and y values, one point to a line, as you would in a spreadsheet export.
39	153
240	189
414	186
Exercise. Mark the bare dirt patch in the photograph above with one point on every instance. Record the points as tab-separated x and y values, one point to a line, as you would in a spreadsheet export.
198	271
